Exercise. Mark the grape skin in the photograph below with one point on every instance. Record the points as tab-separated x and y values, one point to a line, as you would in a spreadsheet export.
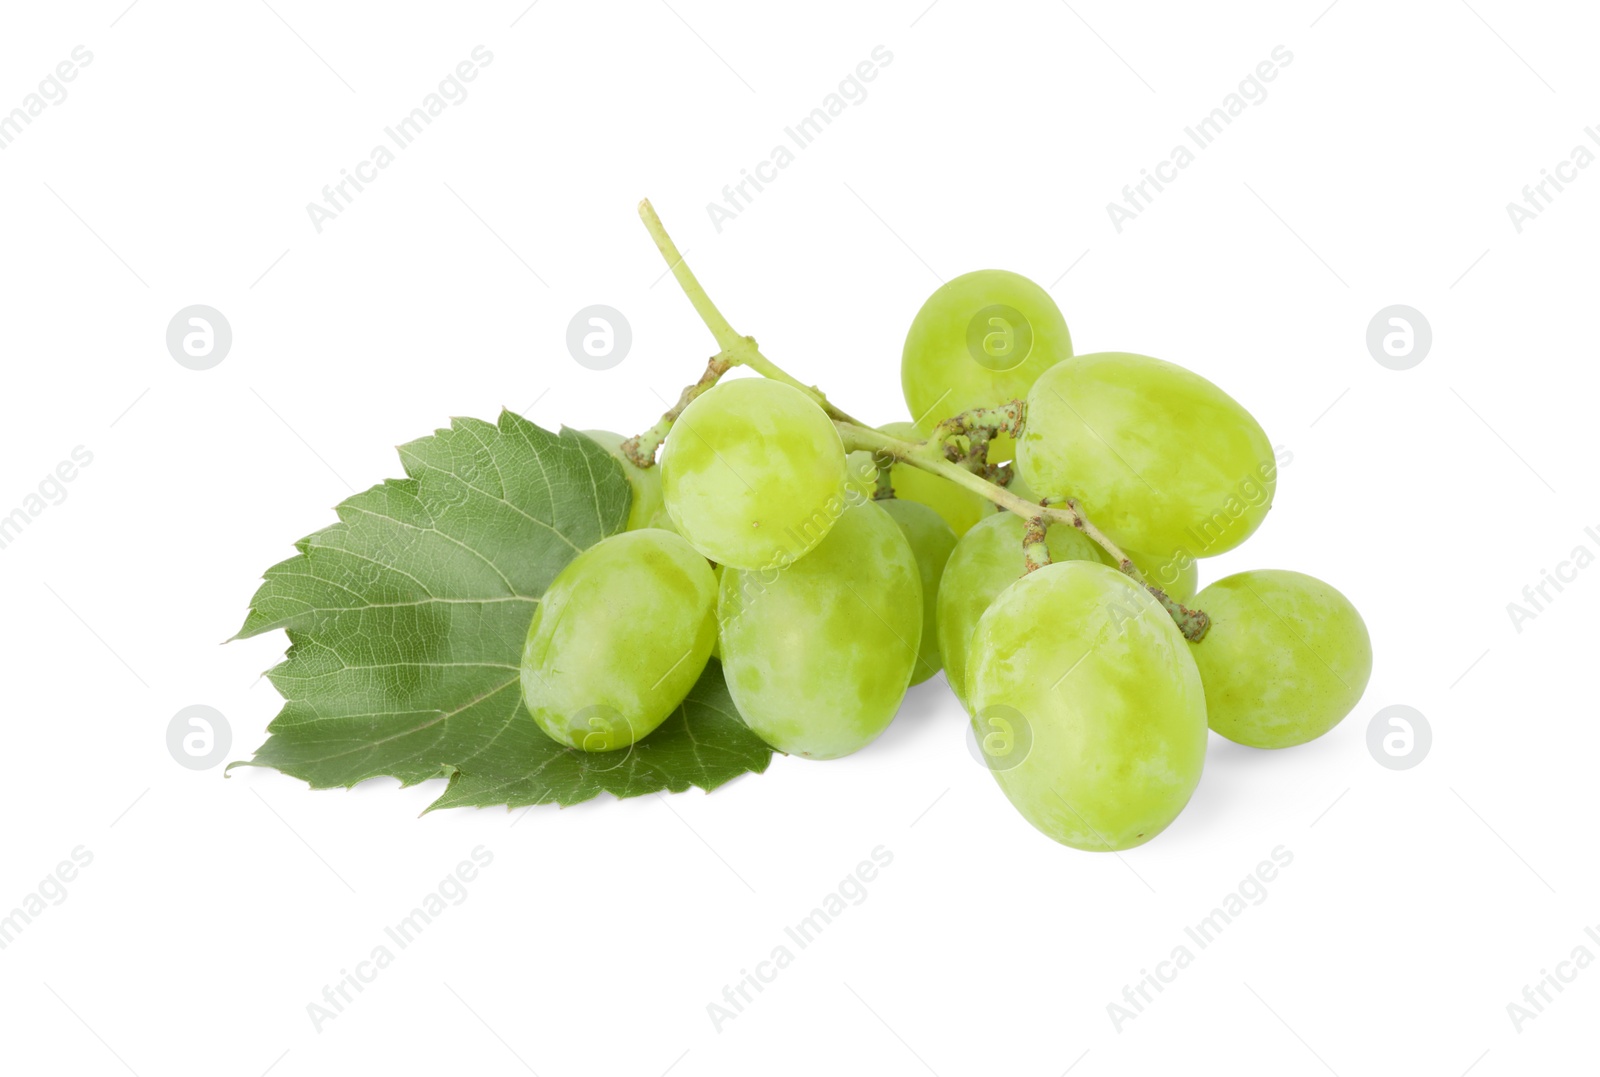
619	638
939	375
1097	679
1287	657
1159	458
986	561
648	508
753	473
818	655
960	507
931	542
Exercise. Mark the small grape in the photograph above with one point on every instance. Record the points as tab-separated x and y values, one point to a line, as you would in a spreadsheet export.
960	507
818	654
648	508
980	340
1286	658
931	541
986	561
1088	706
753	473
1159	458
619	638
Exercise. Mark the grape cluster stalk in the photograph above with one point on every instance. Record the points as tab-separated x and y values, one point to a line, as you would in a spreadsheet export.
935	454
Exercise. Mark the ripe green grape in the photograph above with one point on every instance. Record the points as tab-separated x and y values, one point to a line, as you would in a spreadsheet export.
818	654
648	508
1178	576
1158	457
980	341
1287	657
931	541
1088	706
753	473
619	638
960	507
986	561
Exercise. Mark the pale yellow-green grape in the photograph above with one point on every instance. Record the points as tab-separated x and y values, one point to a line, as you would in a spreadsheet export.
1287	657
960	507
716	638
931	541
753	473
1087	706
980	340
1178	576
818	655
1159	458
986	561
648	508
619	638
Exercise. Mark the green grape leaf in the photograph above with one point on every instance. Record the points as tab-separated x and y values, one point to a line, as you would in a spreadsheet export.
407	618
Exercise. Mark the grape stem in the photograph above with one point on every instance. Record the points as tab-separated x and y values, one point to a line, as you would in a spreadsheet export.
928	456
933	455
1035	554
642	449
738	350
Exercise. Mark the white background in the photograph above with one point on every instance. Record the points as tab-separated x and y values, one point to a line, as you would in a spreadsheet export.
1419	903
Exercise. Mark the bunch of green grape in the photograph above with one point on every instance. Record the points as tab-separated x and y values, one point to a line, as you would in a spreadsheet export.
1034	530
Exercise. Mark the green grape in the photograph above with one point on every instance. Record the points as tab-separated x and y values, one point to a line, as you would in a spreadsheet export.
753	473
818	655
1087	705
931	541
716	635
1178	575
1159	458
619	638
980	341
1286	658
648	508
960	507
986	561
